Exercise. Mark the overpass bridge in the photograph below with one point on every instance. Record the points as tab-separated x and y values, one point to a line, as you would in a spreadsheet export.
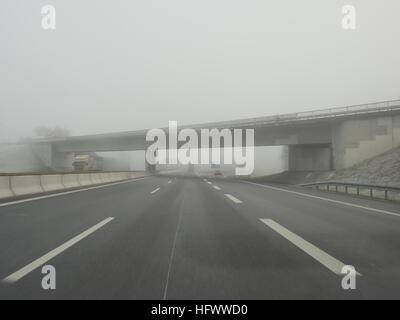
318	140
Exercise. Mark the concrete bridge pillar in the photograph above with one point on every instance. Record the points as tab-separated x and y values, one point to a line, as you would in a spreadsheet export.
51	159
356	140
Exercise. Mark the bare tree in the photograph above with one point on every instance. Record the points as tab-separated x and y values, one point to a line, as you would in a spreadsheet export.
48	132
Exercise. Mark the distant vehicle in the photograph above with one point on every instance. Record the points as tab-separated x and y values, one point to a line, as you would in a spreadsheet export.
81	163
217	173
85	163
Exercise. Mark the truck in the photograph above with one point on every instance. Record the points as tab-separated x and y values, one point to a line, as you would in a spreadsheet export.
86	162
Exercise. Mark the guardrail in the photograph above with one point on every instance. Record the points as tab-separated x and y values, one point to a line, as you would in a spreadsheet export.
383	106
370	190
334	112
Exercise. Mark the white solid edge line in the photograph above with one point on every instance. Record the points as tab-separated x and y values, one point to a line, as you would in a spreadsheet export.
155	190
217	188
43	259
322	257
58	194
231	197
171	257
327	199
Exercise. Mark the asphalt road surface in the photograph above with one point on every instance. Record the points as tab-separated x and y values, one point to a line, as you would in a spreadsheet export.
193	238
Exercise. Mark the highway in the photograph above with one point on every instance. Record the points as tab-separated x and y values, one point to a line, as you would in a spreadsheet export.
163	237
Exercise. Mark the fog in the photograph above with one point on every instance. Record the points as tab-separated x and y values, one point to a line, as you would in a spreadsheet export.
126	65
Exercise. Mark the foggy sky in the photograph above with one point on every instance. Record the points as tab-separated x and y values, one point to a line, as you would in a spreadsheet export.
126	65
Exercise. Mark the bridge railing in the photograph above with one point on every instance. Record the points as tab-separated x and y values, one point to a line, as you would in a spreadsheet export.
354	109
383	106
359	189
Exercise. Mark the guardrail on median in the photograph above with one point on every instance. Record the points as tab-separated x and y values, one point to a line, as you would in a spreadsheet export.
369	190
16	185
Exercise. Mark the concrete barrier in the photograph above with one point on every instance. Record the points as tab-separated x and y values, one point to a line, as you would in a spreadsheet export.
103	177
84	179
5	187
70	180
29	184
139	174
95	177
50	182
134	175
107	177
114	176
25	184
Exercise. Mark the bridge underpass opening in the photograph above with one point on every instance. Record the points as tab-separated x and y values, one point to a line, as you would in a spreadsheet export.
116	160
310	157
267	160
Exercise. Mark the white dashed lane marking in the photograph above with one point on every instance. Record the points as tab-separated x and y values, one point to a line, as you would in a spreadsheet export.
50	255
155	190
234	199
322	257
